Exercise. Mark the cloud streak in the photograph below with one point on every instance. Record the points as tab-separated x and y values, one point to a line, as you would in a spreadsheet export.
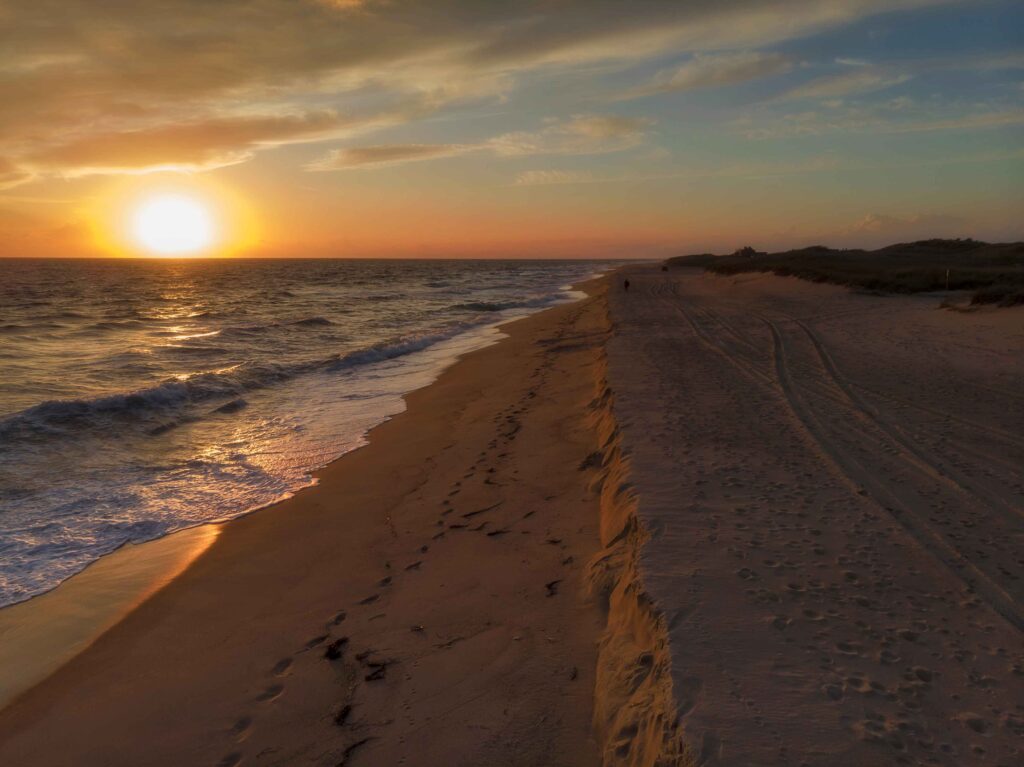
198	145
579	135
715	70
836	86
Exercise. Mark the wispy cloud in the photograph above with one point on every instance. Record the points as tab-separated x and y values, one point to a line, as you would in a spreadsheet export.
578	135
388	154
197	145
848	62
714	70
552	177
835	86
891	118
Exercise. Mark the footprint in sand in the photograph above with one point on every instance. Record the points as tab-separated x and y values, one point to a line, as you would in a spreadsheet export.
369	600
348	752
281	667
414	565
231	760
336	648
343	715
241	728
271	693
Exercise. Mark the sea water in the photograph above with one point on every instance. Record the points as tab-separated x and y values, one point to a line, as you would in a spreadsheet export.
140	397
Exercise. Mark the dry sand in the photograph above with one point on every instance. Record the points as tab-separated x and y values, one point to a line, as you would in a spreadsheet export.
425	604
831	490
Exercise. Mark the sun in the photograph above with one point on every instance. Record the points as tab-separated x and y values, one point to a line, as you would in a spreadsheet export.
173	225
172	215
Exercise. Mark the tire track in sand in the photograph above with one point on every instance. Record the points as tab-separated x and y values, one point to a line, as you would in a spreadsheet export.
888	496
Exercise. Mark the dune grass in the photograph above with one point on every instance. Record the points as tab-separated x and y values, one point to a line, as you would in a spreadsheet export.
994	271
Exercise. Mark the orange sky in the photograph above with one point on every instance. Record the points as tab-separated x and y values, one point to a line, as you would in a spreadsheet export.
459	128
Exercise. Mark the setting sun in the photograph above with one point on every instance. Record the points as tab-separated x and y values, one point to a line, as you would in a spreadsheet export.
172	215
173	224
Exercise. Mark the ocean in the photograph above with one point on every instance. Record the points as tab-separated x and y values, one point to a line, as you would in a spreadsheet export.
140	397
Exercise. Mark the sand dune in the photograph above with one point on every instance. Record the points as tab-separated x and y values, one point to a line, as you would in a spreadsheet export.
832	493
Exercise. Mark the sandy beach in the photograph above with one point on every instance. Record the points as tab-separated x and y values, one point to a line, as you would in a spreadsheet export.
708	521
424	604
830	483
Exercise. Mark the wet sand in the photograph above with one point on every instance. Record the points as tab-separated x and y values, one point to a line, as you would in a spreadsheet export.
426	603
42	634
831	488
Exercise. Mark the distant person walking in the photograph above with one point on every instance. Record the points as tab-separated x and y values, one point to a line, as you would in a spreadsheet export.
625	286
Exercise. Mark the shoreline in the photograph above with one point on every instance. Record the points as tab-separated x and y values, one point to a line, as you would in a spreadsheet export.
41	634
423	366
88	603
26	708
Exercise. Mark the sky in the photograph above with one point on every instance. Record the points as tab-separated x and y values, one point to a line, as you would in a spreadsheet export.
491	128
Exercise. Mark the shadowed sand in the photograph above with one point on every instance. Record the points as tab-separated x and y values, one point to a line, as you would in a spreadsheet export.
830	490
424	604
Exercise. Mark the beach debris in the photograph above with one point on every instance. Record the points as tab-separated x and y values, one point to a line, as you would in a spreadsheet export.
417	628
